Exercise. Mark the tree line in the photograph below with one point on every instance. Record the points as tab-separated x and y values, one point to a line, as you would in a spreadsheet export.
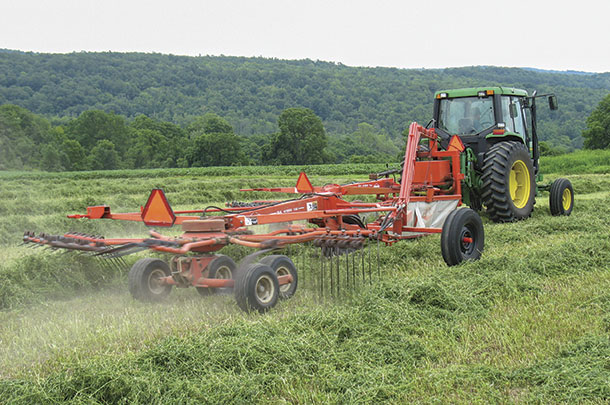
98	140
251	93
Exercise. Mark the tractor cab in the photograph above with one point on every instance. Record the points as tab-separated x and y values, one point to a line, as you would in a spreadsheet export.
489	112
486	115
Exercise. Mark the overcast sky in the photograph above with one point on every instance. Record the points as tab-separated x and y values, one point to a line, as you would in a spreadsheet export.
545	34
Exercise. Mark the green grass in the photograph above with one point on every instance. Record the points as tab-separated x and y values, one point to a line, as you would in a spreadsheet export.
579	162
528	323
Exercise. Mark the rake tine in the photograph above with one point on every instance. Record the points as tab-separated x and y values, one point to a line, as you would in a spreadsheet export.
332	276
109	264
362	262
323	268
319	271
378	271
347	269
369	252
103	264
338	250
354	269
302	265
118	264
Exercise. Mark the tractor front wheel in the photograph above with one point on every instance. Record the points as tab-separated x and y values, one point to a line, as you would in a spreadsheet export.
462	236
257	288
508	182
561	197
145	280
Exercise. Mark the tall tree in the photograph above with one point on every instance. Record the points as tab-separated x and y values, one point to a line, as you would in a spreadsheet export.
149	149
216	149
76	157
210	123
21	136
597	134
94	125
104	156
301	140
155	143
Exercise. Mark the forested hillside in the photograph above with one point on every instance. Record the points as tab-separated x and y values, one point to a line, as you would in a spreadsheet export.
252	92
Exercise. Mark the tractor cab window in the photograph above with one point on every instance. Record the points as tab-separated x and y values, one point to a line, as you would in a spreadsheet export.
514	122
466	115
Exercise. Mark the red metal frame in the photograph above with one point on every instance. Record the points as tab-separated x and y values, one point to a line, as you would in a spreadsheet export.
428	175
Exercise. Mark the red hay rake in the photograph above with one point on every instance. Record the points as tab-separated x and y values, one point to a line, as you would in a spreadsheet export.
424	200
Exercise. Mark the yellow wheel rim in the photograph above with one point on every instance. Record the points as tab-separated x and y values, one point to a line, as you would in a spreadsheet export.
566	199
519	184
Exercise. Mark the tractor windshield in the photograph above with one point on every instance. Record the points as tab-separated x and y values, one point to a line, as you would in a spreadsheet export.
466	115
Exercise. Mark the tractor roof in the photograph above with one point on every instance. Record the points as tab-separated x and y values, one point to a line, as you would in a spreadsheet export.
473	91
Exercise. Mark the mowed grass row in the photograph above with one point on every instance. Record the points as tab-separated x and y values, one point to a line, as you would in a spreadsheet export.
527	323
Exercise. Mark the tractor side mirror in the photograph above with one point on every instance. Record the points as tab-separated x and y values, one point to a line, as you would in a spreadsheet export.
512	108
553	102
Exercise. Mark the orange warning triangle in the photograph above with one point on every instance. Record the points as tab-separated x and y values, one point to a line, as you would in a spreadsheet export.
303	184
456	144
157	211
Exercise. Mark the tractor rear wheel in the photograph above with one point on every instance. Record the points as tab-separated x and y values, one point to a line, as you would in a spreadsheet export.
561	197
145	280
508	182
222	267
282	265
462	236
257	288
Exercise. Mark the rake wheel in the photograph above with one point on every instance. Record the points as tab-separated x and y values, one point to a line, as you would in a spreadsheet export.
144	280
462	236
282	265
222	267
257	288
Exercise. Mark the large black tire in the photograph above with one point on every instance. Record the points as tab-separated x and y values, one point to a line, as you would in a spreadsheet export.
561	197
508	182
222	267
282	265
462	236
257	288
144	278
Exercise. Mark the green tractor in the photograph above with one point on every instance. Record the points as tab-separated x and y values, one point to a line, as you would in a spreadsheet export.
497	127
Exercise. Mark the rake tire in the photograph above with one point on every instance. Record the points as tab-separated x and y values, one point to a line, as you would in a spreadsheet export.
257	288
142	280
460	224
499	162
282	265
220	266
561	197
